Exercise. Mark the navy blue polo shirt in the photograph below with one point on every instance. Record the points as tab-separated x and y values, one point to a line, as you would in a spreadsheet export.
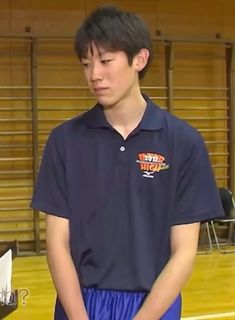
122	196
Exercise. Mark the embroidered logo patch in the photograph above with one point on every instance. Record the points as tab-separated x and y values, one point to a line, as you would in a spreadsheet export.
150	163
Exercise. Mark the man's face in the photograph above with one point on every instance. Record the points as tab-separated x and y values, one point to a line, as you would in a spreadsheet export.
109	76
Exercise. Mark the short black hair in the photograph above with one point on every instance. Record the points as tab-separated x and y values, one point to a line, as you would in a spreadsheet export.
115	30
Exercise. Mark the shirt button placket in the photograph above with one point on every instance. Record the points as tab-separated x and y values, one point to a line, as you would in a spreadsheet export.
122	153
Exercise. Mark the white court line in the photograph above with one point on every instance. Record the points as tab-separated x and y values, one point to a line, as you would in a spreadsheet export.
211	316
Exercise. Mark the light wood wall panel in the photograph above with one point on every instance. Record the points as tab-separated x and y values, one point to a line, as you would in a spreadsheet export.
50	17
184	18
199	87
227	19
16	219
4	16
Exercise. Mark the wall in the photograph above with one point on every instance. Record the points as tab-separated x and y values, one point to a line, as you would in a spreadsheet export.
197	83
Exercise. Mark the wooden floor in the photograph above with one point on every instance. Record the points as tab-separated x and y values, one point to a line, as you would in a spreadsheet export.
210	293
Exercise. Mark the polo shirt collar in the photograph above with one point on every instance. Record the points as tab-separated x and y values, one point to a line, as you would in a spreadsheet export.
96	118
152	120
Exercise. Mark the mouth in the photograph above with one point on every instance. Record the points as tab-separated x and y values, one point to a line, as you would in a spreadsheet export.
99	90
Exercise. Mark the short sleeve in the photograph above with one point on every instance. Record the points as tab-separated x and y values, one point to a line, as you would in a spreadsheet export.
197	197
50	194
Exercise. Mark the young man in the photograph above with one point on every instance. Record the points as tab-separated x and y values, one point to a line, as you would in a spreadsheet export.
124	186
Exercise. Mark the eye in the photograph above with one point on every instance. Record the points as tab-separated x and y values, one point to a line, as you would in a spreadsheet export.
106	61
85	64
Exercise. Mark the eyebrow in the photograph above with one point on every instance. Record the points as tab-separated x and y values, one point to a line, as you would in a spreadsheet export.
102	52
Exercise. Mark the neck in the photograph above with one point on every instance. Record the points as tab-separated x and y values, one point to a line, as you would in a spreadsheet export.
126	115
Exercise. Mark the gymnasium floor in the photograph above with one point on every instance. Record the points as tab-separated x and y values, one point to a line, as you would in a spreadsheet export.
210	293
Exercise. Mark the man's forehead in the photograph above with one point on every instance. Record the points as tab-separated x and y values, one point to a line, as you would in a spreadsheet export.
94	49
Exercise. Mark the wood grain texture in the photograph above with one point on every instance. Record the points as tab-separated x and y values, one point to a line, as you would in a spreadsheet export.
209	293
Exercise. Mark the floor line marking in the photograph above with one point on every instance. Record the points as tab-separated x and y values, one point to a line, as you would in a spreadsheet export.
210	316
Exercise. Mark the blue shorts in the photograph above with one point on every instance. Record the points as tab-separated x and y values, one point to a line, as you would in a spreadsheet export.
116	305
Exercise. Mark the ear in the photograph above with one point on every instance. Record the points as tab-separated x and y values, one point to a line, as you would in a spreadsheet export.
141	59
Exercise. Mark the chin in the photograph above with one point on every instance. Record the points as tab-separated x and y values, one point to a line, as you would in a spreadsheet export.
106	102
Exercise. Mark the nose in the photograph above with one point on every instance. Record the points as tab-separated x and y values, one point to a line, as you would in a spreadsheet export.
96	72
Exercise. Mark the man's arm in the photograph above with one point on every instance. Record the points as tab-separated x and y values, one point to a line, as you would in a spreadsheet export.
62	267
184	241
